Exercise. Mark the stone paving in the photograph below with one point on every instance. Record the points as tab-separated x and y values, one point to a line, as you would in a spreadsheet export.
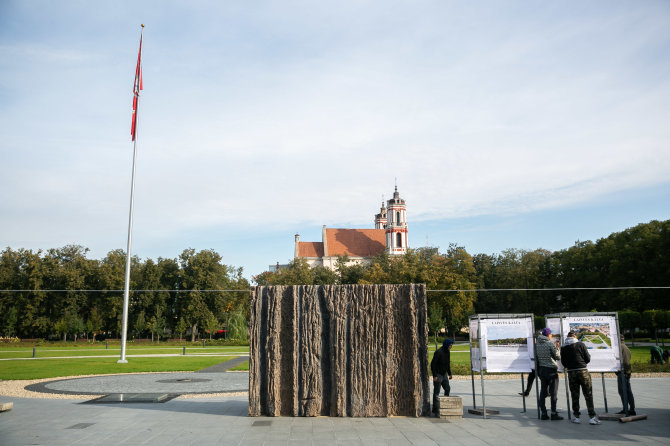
224	421
180	383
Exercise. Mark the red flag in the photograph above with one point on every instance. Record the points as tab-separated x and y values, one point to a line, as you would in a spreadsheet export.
137	86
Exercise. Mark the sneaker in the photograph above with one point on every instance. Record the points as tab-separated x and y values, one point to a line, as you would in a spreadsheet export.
576	420
544	417
621	412
556	417
631	412
594	420
524	394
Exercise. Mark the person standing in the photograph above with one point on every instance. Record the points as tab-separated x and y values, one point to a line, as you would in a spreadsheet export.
440	367
624	376
529	383
547	355
575	357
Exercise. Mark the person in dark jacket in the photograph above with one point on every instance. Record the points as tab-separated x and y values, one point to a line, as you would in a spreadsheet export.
440	367
547	355
529	383
624	377
575	357
656	354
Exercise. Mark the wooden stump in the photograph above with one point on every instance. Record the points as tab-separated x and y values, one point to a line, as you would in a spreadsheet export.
339	350
451	407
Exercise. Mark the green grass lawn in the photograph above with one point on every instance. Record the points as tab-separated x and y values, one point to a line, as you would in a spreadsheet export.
197	358
51	368
97	350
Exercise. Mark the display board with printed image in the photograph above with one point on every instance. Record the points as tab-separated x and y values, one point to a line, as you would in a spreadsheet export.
506	343
598	332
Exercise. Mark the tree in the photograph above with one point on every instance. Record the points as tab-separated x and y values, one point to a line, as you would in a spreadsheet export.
650	323
629	321
348	273
181	327
201	271
94	322
237	326
9	323
75	325
156	325
661	322
211	325
140	324
61	327
436	320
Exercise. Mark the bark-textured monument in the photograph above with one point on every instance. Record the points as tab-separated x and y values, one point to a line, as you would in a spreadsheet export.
339	350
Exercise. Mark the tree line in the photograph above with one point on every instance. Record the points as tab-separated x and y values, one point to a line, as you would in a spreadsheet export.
63	293
637	257
459	284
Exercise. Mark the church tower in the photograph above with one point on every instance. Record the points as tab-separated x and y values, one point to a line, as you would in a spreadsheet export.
381	218
396	225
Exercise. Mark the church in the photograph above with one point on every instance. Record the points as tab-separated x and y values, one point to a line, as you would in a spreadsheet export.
360	245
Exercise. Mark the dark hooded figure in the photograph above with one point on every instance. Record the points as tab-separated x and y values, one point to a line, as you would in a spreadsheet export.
440	367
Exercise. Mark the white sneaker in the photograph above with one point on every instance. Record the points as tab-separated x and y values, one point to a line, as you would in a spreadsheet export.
594	420
576	420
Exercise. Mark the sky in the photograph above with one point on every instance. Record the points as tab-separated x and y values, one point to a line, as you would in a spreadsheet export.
522	125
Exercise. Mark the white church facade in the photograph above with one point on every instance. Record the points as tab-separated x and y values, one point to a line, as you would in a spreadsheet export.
360	245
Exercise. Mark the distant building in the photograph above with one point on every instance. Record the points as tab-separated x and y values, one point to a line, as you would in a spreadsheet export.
277	267
360	245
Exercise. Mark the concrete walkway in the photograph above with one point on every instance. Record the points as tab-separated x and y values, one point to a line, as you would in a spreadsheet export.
224	421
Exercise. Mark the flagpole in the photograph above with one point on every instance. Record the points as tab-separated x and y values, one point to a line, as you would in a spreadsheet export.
126	287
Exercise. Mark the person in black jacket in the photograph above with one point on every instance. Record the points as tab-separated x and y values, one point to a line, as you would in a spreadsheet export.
575	356
440	367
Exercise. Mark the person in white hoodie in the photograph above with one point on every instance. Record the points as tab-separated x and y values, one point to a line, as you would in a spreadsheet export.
547	355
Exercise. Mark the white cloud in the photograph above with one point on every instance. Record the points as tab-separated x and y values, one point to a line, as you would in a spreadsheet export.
290	116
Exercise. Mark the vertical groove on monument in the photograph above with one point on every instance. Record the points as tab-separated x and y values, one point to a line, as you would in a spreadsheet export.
255	357
338	350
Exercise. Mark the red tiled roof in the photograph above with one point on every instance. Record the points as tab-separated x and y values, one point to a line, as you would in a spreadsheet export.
310	249
355	242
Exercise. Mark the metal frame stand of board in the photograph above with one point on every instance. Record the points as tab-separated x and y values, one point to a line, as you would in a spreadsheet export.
560	317
484	411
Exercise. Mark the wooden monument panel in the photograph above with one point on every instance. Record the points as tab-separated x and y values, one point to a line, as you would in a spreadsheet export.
339	350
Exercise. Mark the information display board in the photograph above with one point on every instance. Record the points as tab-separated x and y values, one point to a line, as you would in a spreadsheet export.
474	345
506	343
599	333
554	324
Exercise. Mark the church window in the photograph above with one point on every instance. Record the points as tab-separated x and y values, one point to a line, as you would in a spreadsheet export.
398	237
397	217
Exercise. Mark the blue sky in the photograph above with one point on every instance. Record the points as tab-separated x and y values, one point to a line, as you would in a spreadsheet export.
507	124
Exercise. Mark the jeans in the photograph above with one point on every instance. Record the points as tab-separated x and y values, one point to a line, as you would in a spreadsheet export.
629	391
531	379
548	386
442	381
581	379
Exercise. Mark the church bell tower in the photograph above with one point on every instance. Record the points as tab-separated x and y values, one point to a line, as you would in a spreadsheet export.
396	225
381	218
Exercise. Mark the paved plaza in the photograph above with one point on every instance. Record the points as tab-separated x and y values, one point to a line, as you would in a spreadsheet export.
223	420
